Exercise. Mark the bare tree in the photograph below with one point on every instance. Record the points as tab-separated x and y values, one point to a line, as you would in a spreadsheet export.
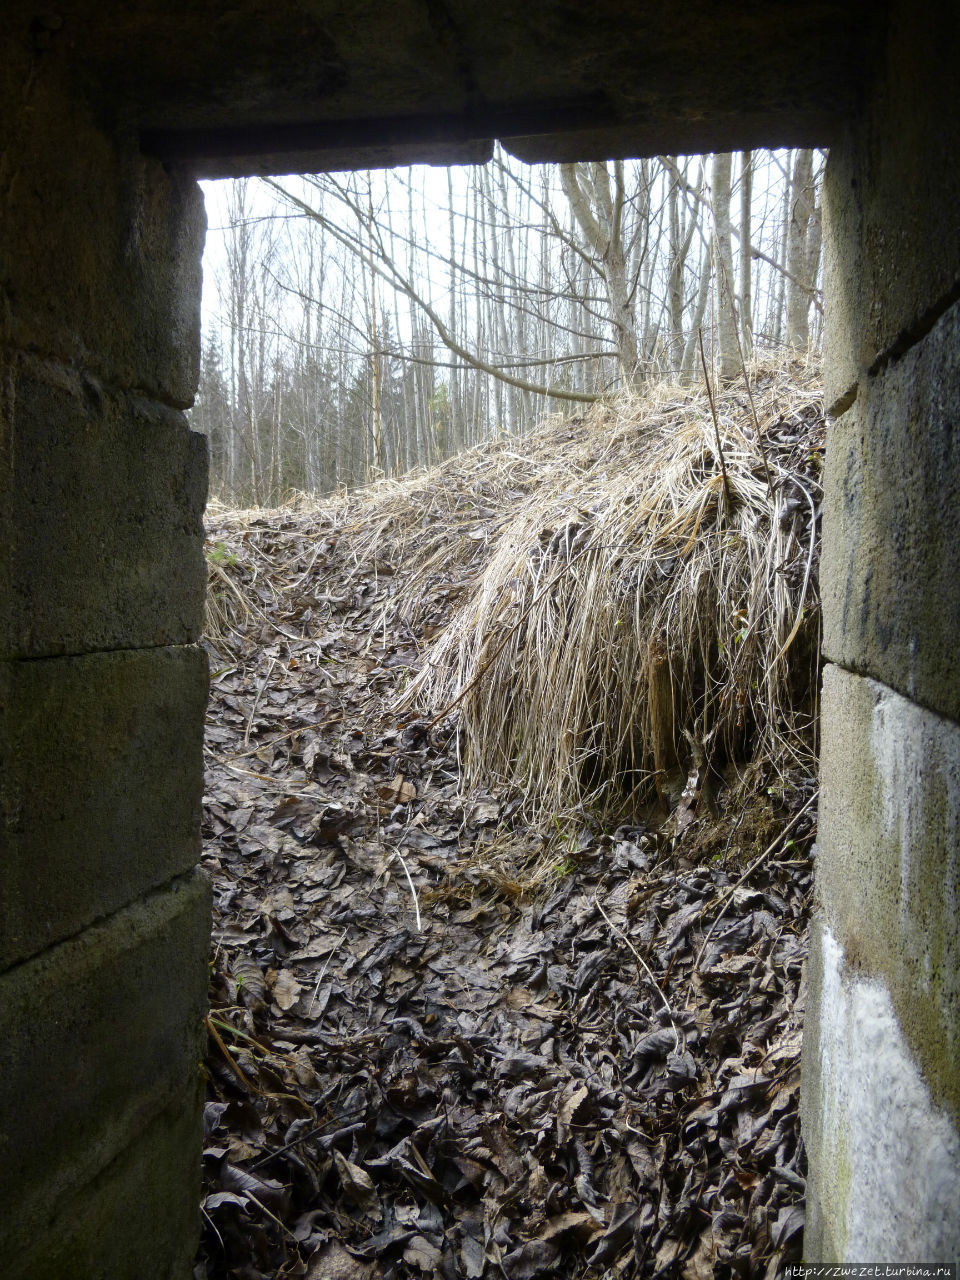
723	242
597	194
746	253
374	322
803	249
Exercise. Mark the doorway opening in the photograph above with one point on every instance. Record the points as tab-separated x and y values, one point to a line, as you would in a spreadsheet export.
513	625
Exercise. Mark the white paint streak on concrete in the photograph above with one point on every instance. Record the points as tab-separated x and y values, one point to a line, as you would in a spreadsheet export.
897	747
886	1150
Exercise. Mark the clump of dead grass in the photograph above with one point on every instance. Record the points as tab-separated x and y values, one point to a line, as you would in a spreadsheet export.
630	608
598	608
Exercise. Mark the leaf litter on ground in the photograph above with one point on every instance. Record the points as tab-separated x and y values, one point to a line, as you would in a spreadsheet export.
468	1019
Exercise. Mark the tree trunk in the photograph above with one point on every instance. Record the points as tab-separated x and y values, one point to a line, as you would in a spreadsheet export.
746	263
690	346
726	309
599	214
799	286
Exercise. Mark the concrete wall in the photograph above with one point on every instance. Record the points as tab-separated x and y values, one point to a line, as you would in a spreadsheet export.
103	918
881	1068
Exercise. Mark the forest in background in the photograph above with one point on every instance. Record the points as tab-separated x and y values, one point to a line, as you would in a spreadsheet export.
359	325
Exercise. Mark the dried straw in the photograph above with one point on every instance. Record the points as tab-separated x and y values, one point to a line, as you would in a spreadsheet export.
628	622
594	615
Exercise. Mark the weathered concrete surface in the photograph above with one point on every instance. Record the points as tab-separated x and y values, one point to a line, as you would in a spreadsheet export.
889	868
99	247
880	1195
136	1221
891	550
101	508
101	1037
99	308
100	787
101	494
274	82
891	195
881	1054
881	1064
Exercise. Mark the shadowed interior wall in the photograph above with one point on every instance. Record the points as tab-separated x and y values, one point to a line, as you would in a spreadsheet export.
103	919
881	1065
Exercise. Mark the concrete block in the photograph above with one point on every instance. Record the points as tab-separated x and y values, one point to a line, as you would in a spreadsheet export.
99	1039
100	787
100	261
101	508
892	190
138	1220
884	1158
888	874
890	573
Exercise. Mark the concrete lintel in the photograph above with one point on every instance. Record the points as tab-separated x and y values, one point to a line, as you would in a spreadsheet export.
566	131
315	146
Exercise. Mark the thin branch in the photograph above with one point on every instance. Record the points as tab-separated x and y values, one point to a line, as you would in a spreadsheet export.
387	271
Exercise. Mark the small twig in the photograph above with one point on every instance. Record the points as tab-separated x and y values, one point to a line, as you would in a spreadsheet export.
646	967
256	701
259	1203
241	1035
231	1061
416	903
716	424
213	1226
815	293
753	412
749	871
326	964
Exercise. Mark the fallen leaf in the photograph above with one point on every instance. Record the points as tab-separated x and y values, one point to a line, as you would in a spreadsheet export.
286	989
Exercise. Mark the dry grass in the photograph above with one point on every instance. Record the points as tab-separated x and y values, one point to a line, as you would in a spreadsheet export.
632	614
597	609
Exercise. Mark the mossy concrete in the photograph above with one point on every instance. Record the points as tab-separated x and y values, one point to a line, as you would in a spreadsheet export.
137	1220
891	195
102	1038
888	873
104	926
881	1080
879	1194
100	787
881	1053
100	246
890	577
101	507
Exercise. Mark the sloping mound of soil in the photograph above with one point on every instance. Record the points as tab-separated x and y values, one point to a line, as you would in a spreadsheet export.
451	1037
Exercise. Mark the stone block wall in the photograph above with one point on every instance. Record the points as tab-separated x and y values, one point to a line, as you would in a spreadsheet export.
881	1067
104	920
